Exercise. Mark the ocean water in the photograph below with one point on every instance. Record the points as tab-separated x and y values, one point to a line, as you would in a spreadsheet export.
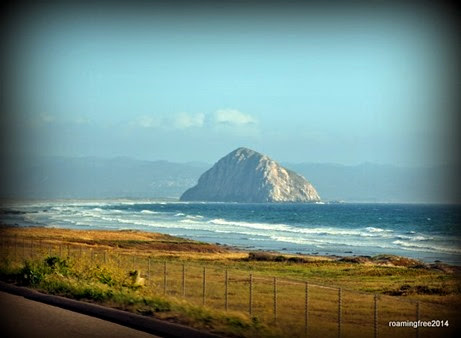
426	232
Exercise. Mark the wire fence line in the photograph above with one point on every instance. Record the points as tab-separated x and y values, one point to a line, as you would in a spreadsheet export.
299	307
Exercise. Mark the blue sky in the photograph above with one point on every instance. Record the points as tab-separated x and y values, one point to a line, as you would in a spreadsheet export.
298	83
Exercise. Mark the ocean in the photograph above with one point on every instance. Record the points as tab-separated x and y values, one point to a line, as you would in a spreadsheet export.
427	232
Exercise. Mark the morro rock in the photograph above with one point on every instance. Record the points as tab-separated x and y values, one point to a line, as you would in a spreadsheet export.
245	175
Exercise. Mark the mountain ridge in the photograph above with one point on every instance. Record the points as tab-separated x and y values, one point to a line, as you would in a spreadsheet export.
96	177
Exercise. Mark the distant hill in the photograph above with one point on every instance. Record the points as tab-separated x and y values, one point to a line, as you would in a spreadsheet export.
91	177
245	175
370	182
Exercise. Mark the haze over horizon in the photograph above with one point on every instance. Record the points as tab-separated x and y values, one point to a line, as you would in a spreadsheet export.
186	82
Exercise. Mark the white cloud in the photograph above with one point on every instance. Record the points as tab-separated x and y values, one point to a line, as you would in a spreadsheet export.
147	121
185	120
233	117
178	121
221	117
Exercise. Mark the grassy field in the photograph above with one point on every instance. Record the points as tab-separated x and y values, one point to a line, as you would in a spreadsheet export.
215	288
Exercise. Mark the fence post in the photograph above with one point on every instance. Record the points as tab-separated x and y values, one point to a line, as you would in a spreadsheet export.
148	269
417	318
184	280
204	286
376	316
250	303
226	288
164	278
339	312
275	300
306	307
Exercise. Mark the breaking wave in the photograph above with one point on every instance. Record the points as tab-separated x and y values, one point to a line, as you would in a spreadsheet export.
148	212
257	226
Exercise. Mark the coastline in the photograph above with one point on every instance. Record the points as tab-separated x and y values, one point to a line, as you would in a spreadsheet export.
165	246
421	232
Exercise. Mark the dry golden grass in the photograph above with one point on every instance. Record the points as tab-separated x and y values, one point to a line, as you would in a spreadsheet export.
126	241
118	252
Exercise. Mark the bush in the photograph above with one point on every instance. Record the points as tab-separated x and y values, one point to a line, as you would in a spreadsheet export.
260	256
106	278
34	272
264	256
57	264
31	274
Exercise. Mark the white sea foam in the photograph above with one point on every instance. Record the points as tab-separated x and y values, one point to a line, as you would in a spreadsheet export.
373	229
421	238
426	247
261	226
331	238
294	240
332	242
236	226
194	216
224	231
148	212
190	221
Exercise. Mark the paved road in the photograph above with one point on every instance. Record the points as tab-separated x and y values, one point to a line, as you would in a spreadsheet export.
21	317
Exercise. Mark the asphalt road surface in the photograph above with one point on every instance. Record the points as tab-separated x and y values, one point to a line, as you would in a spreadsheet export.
21	317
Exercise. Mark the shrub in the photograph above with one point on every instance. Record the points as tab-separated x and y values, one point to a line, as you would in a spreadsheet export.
57	264
260	256
31	274
264	256
106	278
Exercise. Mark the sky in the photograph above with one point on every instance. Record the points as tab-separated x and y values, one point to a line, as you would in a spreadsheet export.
181	82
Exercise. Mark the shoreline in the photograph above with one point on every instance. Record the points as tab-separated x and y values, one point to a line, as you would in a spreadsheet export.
175	246
308	230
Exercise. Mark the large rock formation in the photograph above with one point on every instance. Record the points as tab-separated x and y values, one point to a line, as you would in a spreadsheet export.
245	175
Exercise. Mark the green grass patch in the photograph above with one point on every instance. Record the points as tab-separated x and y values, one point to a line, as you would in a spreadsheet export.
107	285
